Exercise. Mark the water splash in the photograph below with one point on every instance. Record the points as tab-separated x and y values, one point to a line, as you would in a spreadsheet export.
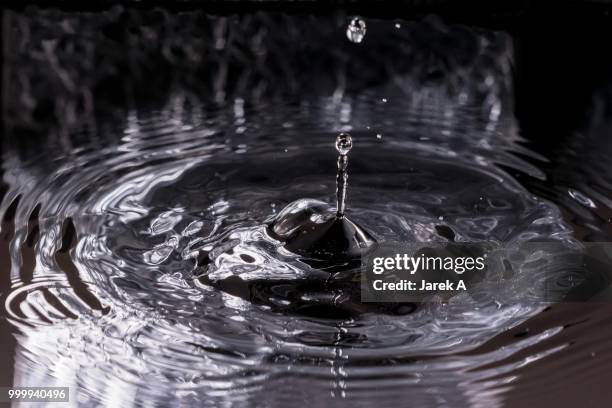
344	144
113	243
167	268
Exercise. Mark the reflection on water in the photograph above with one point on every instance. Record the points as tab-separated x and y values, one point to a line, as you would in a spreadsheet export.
104	238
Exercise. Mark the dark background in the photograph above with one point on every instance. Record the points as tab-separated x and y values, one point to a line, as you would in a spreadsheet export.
561	47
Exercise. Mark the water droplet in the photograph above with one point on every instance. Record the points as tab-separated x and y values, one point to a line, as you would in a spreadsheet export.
398	25
441	218
379	136
384	100
581	198
344	143
356	30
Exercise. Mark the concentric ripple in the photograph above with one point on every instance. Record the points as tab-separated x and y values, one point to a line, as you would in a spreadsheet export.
104	246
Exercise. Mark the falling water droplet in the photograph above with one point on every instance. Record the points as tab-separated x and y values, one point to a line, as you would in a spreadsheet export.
356	30
379	136
344	143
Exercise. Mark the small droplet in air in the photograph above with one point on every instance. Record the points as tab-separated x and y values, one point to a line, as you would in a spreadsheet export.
356	30
344	143
384	100
581	198
398	25
378	136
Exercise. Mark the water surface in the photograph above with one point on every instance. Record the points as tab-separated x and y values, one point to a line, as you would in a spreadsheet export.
103	233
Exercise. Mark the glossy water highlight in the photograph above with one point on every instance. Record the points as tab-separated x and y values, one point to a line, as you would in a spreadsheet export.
150	257
107	262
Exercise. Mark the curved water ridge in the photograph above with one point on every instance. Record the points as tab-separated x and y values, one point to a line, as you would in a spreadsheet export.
106	252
